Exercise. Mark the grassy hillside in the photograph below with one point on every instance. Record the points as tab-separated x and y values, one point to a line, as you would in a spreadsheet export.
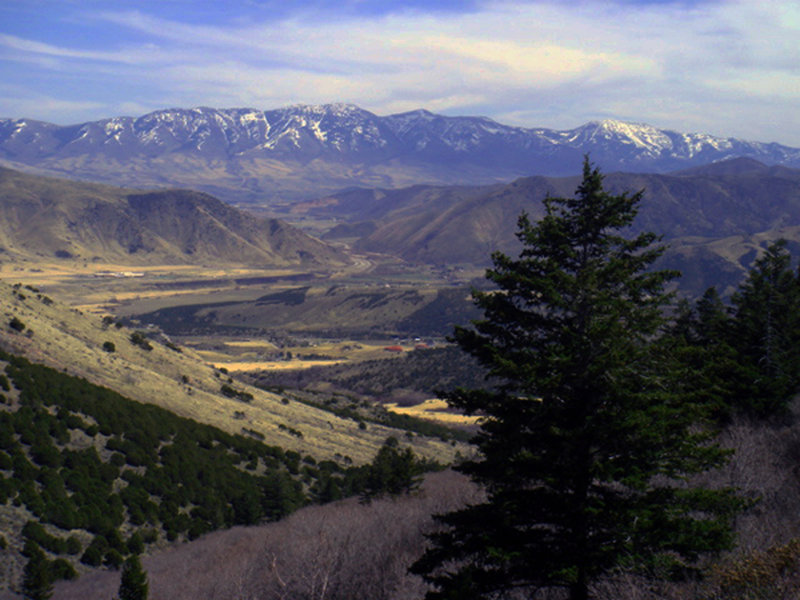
177	379
90	476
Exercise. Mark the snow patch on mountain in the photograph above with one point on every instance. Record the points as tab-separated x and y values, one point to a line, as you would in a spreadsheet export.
345	132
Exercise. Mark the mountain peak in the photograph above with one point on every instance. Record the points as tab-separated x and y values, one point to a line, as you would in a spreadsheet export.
335	109
645	137
305	150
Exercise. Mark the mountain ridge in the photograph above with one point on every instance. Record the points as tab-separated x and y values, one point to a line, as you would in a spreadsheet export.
46	218
245	154
716	218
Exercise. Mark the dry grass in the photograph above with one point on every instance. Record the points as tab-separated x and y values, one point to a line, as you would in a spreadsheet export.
182	382
434	409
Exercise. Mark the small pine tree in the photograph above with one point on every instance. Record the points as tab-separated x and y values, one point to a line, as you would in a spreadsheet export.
133	583
393	472
37	583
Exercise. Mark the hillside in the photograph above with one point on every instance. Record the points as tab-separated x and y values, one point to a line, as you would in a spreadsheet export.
715	218
298	152
339	310
363	551
181	382
61	220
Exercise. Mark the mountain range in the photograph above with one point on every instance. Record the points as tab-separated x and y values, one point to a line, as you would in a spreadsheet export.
265	157
715	218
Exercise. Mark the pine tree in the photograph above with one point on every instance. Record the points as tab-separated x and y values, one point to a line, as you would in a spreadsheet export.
703	344
37	582
587	437
766	333
133	583
392	472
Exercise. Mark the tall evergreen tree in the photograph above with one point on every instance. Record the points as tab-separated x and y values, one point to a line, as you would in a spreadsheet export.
709	369
133	583
766	332
585	440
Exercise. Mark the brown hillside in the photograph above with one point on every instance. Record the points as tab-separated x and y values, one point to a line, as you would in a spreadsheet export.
43	218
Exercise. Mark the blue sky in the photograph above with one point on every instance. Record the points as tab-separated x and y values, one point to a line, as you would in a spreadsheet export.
729	68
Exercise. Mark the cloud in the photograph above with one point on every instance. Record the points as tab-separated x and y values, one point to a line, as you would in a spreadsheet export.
704	65
34	106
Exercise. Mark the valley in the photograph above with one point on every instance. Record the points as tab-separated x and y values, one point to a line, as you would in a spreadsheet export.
318	327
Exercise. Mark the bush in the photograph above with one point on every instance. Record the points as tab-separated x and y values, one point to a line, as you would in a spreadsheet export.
93	556
109	347
16	324
773	573
231	392
62	569
138	339
113	559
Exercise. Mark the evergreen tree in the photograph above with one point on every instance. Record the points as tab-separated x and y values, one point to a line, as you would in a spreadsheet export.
702	338
37	582
392	472
585	441
133	583
766	332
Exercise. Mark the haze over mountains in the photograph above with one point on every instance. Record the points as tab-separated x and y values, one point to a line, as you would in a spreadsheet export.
306	151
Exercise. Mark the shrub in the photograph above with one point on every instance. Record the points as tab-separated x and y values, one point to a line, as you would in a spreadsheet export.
61	568
138	339
760	575
16	324
109	347
231	392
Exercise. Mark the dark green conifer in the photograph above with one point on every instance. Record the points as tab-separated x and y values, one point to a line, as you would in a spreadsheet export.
37	582
133	583
702	337
587	434
766	332
392	472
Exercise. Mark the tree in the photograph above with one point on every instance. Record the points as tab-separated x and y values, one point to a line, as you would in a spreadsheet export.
392	472
703	340
133	582
766	331
586	438
37	582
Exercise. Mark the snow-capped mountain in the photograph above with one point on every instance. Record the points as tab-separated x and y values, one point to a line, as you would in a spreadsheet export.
302	151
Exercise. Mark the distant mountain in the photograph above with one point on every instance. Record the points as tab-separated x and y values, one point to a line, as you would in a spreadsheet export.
716	218
45	218
305	151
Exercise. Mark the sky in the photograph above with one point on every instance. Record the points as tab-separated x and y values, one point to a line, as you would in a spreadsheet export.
728	68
